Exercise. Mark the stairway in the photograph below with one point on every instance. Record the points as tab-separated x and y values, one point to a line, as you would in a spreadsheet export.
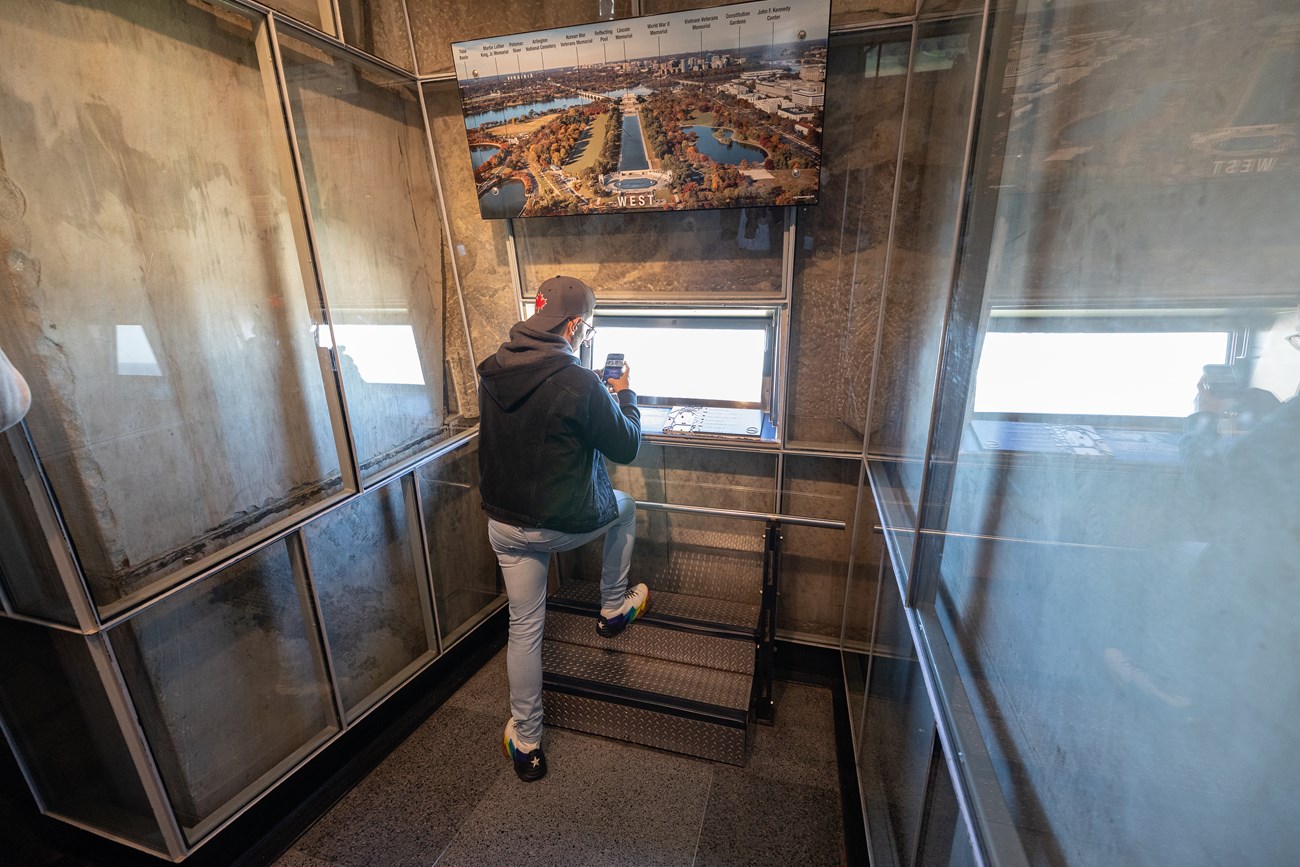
682	678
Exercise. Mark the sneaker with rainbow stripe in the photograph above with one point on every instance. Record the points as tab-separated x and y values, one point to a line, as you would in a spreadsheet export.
614	621
528	759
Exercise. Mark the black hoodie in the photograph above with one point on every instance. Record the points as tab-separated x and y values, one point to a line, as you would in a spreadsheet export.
545	421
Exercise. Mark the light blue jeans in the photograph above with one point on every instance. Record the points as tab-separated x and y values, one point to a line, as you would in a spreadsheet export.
525	557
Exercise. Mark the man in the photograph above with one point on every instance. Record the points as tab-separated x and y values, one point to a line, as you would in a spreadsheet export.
546	424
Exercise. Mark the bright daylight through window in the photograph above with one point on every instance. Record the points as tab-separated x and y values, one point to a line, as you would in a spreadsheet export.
1094	373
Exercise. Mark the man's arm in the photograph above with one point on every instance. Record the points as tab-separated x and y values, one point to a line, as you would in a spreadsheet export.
615	420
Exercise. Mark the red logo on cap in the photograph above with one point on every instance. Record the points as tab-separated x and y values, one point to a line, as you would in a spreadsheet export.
541	302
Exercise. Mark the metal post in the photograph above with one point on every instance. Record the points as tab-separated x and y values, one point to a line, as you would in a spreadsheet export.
764	704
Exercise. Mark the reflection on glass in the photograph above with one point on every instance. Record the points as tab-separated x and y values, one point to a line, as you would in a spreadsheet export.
134	353
467	584
148	209
921	268
1117	589
365	160
63	730
367	568
28	572
840	251
897	735
1134	373
229	683
813	560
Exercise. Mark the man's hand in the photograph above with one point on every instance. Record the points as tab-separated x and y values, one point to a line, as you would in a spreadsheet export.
1208	401
617	385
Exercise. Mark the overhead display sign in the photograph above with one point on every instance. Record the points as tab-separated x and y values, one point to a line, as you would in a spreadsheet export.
711	108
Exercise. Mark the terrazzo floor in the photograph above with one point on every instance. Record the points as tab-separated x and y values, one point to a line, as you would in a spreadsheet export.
447	797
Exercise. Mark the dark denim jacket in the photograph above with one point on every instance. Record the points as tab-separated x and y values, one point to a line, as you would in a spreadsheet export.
546	423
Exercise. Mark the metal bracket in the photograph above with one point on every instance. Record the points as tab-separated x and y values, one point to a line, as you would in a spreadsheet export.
764	703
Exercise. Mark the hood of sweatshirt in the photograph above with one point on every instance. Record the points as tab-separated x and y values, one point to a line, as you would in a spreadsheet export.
522	364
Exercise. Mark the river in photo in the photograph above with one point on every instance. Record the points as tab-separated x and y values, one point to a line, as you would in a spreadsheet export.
632	156
504	200
727	154
481	153
474	121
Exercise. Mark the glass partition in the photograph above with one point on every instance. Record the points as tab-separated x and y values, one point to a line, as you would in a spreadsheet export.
467	583
365	164
62	728
29	575
921	263
813	560
316	13
897	736
841	243
367	566
155	300
229	682
1123	527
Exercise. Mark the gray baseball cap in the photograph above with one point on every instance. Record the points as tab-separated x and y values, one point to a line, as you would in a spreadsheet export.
559	299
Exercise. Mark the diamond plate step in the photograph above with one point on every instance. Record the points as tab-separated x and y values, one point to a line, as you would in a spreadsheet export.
644	639
644	725
718	616
734	575
721	696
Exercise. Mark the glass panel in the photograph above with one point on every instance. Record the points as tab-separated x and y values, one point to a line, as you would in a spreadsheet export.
369	575
365	160
435	23
633	256
64	732
378	27
1117	589
814	561
712	478
840	253
466	581
479	257
846	13
921	263
27	570
157	206
944	841
898	736
229	683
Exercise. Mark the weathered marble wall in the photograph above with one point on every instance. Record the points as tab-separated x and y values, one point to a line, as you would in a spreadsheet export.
843	12
306	11
378	27
365	159
840	251
437	23
142	198
479	249
694	254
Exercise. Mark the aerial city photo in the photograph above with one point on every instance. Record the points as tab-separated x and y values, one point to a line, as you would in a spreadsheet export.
713	108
